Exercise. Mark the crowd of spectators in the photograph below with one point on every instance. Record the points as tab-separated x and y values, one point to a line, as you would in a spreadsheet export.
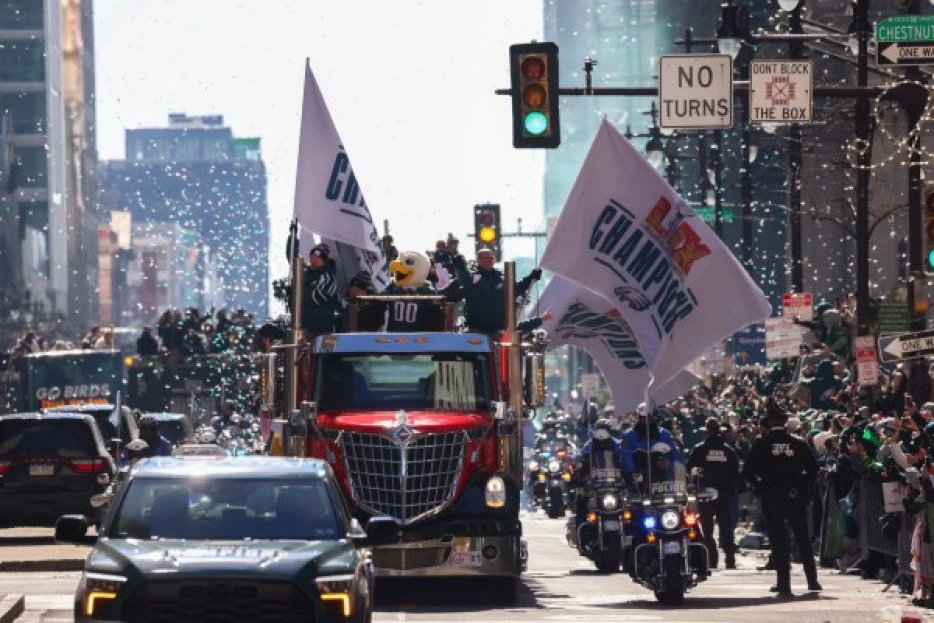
866	438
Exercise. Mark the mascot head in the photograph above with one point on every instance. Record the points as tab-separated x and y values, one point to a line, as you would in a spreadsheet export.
410	270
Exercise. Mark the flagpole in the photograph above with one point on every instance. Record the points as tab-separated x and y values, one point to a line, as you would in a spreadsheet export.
291	357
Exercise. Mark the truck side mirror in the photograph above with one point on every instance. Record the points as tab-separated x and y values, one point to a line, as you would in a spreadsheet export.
533	378
381	530
71	529
309	412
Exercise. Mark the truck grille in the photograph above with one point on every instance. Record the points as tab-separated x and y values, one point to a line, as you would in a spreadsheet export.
403	479
216	602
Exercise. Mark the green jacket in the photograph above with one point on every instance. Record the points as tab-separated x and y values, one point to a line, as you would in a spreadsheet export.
485	296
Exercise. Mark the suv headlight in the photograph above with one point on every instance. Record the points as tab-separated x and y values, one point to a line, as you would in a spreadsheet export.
670	520
336	593
609	501
533	466
99	592
554	466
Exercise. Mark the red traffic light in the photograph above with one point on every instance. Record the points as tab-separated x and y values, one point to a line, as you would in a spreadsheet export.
929	230
929	201
533	68
486	219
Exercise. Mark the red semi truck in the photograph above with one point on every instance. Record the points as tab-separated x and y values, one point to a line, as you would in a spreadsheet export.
424	428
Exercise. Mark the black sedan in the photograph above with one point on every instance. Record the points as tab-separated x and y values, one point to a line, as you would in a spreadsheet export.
227	539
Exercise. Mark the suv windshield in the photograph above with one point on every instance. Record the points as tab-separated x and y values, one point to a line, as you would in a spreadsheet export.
23	439
403	381
226	509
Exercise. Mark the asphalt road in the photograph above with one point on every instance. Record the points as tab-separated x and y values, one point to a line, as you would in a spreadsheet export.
559	586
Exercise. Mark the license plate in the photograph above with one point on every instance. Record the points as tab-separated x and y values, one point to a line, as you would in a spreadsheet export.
467	559
41	470
672	547
611	525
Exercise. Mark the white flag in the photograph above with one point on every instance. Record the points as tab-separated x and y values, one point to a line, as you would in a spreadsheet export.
625	234
584	319
328	199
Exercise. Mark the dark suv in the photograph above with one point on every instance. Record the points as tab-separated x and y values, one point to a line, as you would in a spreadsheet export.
112	426
51	465
250	539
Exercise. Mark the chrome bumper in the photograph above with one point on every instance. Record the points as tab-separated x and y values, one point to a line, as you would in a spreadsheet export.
452	557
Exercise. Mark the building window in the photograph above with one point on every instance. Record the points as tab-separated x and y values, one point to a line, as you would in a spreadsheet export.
21	15
22	61
27	111
35	167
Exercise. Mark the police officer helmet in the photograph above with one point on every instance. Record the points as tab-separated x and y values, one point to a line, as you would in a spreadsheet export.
642	410
137	449
148	423
660	452
602	429
207	437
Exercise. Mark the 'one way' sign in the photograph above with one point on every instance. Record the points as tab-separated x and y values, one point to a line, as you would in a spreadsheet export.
907	346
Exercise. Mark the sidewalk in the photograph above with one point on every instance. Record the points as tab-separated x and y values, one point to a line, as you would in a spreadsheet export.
35	549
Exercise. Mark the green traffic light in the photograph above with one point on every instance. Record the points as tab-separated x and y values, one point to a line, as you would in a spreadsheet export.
931	259
535	123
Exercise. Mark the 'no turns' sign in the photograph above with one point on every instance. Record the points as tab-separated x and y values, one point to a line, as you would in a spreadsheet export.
696	91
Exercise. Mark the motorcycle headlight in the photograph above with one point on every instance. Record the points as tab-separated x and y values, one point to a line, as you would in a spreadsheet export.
100	590
533	466
609	501
670	520
554	466
336	593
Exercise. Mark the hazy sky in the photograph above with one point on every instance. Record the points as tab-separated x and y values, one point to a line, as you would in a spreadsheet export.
409	84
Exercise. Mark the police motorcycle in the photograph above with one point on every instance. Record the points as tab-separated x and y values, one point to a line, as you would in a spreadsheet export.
600	536
666	551
554	476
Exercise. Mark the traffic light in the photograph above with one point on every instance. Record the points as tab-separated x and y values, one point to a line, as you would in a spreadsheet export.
486	228
534	71
928	198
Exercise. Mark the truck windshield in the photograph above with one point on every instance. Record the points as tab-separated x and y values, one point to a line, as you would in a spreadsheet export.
384	381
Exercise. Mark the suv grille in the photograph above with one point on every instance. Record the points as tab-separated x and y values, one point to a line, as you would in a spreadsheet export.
217	602
403	479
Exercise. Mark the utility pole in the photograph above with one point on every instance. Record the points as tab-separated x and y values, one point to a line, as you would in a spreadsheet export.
795	52
863	162
745	179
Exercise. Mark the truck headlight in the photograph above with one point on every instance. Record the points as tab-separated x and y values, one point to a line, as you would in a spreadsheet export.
495	492
100	590
554	466
337	591
670	520
533	466
609	501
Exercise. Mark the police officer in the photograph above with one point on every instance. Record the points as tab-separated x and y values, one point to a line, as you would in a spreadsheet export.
718	465
601	456
782	469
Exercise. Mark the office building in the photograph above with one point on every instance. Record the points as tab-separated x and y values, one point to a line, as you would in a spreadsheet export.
195	174
50	220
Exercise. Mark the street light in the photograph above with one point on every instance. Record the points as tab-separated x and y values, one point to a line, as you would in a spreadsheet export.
730	34
789	5
654	150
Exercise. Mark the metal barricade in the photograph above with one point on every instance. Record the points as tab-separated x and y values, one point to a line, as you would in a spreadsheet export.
871	510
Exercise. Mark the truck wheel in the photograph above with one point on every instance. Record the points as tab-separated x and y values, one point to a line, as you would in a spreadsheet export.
505	591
